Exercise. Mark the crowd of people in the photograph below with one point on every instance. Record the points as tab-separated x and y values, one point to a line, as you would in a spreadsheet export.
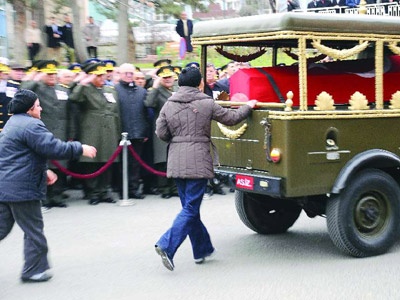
94	103
59	39
77	114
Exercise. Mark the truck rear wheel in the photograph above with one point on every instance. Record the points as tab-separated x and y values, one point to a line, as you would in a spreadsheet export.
264	214
363	220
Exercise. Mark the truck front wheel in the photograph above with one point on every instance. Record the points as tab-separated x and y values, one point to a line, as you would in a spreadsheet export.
264	214
363	220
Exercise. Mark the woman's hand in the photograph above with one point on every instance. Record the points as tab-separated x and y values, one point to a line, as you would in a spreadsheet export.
51	177
89	151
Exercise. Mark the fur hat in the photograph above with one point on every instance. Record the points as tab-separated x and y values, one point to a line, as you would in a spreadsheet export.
23	100
190	76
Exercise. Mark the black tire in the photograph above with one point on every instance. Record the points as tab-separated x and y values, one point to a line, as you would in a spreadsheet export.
264	214
363	220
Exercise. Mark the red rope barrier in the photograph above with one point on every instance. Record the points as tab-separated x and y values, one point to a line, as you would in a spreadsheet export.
144	165
92	175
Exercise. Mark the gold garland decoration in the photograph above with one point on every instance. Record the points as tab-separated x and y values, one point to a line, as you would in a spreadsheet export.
393	47
232	134
240	58
339	54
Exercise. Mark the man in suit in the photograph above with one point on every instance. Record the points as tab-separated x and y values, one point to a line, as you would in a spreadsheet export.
54	37
68	39
184	27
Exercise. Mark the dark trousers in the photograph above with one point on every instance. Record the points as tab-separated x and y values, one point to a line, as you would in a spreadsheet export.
92	51
33	51
189	47
96	187
164	184
28	216
188	221
55	191
134	166
149	179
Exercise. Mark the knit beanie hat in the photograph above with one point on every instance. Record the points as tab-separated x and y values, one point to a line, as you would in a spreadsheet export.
23	100
190	76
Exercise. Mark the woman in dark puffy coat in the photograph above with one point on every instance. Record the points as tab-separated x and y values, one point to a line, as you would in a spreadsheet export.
185	123
25	147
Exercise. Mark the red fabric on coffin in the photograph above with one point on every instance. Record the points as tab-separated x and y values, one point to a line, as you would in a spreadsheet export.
341	79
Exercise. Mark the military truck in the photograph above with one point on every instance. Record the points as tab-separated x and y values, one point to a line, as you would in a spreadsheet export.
324	137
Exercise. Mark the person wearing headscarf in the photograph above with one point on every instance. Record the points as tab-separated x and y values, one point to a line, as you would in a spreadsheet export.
184	123
25	147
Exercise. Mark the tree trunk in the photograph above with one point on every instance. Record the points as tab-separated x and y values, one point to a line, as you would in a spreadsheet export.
20	49
38	16
80	49
122	44
131	50
125	44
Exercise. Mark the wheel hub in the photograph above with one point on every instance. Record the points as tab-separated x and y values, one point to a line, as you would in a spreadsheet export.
371	214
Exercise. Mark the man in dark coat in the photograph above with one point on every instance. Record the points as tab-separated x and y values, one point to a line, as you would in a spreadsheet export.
26	142
134	121
185	123
184	27
54	37
68	39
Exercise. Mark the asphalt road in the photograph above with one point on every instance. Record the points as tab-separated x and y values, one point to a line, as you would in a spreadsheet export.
107	252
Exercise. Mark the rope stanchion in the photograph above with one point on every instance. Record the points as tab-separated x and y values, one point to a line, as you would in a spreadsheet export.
91	175
123	146
144	165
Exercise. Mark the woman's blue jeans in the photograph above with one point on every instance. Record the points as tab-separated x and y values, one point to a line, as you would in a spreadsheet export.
188	222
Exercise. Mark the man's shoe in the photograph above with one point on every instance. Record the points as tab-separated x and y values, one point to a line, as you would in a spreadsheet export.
41	277
94	201
166	196
59	204
219	190
203	259
137	196
108	200
167	262
151	191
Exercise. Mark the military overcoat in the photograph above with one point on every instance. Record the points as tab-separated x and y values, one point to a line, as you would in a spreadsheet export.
99	119
156	98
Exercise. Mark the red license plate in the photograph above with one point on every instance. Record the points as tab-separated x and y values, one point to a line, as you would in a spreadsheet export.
244	182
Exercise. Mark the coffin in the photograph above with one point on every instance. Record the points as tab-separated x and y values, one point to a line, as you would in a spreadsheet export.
341	79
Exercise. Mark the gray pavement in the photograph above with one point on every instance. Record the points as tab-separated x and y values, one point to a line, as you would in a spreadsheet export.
106	252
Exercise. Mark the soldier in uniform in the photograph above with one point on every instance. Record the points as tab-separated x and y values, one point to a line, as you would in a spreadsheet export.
4	70
99	125
109	66
17	72
56	116
163	88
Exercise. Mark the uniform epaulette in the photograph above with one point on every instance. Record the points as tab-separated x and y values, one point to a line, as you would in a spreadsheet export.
14	82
